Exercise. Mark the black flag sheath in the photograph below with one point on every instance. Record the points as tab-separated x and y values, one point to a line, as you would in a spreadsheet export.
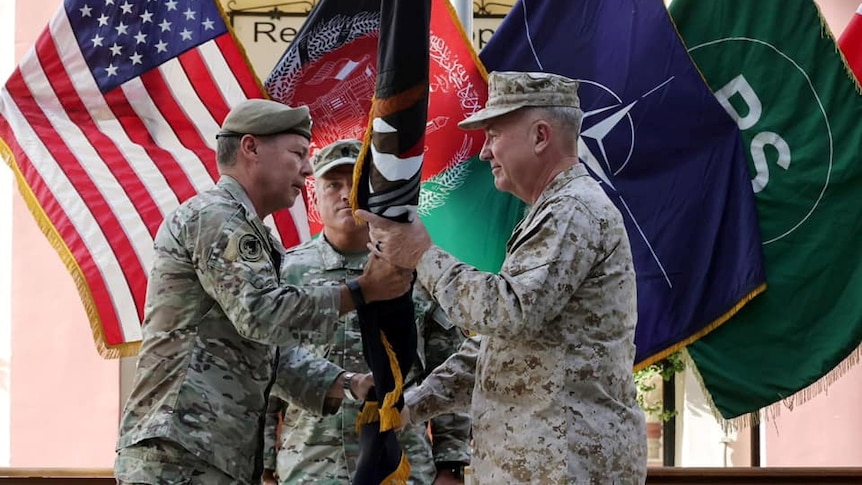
387	179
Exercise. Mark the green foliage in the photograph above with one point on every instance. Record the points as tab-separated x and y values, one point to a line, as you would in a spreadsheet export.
645	382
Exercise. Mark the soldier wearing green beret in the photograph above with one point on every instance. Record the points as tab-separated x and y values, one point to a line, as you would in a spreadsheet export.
216	312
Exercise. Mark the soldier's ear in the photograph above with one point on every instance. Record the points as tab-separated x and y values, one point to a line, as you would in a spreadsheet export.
541	135
249	144
312	190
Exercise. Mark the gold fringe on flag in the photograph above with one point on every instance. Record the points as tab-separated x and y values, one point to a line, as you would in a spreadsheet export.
453	15
825	31
700	334
773	410
47	227
390	416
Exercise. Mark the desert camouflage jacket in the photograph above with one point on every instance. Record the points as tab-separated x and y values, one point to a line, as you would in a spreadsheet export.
553	398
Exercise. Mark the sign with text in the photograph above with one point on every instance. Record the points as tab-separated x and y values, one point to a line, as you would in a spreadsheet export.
483	29
265	39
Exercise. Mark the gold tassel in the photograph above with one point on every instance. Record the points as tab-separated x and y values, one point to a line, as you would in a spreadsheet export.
390	417
369	414
400	475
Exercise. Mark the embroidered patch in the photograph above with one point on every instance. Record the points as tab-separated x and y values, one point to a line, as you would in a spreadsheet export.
250	248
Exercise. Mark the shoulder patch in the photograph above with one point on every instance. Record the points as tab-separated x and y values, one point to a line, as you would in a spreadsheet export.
250	248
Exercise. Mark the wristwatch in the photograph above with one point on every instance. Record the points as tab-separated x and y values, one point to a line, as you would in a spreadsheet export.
456	468
355	293
348	393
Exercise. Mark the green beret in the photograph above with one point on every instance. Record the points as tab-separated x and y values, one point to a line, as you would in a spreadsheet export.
263	117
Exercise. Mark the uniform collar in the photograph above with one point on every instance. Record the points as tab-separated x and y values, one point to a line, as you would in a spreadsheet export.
236	191
334	260
561	180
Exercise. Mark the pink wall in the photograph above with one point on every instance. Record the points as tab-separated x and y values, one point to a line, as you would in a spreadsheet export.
827	430
64	397
837	13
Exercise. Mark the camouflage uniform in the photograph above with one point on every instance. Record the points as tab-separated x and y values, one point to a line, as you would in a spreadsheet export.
160	461
554	398
319	442
214	314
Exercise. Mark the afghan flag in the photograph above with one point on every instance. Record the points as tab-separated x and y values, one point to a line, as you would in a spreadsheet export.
850	43
774	66
664	150
332	67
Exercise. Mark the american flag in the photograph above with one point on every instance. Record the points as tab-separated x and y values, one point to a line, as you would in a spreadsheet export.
109	123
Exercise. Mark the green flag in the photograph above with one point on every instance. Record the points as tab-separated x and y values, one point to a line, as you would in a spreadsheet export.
467	216
463	211
775	68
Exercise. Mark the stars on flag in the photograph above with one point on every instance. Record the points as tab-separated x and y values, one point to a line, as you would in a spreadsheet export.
128	38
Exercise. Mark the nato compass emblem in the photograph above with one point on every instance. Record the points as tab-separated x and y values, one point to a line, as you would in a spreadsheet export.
608	139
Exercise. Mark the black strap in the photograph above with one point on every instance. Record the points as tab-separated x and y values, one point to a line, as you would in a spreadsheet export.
355	293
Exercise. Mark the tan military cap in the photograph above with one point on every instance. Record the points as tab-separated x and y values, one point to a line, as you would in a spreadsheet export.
265	117
511	91
342	152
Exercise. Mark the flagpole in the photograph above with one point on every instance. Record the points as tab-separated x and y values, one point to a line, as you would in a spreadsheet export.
464	8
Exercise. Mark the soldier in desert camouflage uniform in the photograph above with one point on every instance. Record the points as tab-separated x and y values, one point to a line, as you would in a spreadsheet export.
215	311
553	398
318	441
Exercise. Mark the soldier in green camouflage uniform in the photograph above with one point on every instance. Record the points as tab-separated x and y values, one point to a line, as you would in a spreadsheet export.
215	311
553	397
318	440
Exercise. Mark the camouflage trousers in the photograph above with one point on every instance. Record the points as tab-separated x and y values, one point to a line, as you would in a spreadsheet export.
164	462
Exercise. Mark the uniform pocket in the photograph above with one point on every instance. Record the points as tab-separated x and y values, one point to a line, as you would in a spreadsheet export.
153	464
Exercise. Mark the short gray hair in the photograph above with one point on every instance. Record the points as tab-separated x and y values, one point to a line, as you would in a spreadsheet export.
227	148
567	117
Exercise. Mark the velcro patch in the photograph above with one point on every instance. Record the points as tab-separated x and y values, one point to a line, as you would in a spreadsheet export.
250	248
